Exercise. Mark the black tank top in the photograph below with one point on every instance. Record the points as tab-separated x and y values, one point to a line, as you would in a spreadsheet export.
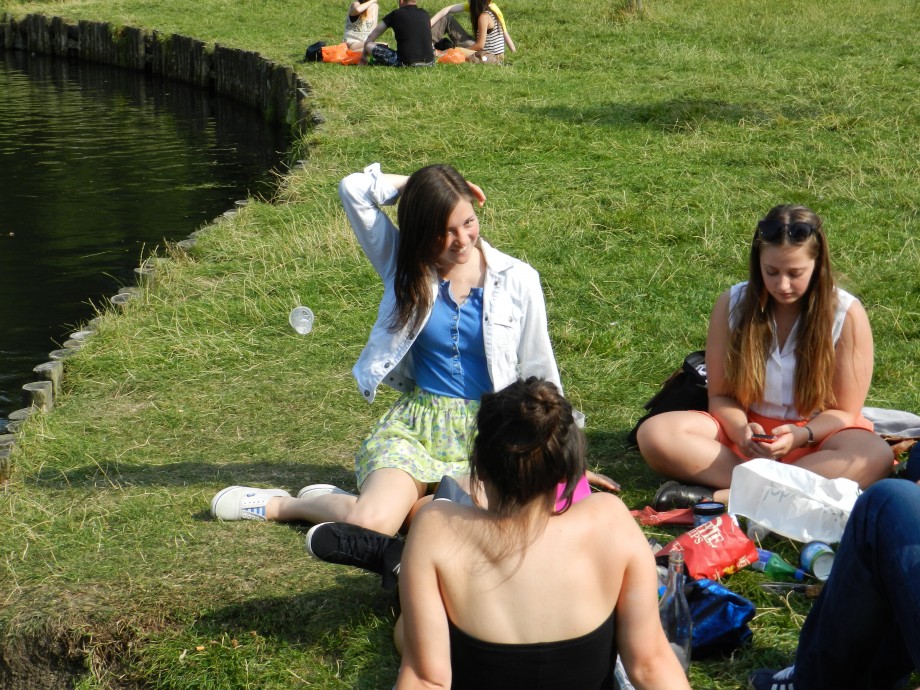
581	663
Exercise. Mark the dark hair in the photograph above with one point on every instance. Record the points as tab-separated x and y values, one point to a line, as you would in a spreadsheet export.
477	7
752	339
527	443
429	197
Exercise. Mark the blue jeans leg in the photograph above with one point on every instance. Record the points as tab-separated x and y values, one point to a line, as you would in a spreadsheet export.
864	629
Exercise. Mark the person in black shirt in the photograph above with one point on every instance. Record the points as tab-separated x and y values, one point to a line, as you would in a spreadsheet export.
412	27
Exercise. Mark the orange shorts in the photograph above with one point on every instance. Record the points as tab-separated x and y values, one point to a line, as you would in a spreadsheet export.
769	423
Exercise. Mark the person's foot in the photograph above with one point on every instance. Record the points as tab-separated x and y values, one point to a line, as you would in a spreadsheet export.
243	502
673	495
314	490
771	679
346	544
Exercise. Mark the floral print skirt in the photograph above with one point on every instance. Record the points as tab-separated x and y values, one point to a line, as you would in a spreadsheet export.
425	435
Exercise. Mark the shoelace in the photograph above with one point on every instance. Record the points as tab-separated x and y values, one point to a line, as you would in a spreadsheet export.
365	550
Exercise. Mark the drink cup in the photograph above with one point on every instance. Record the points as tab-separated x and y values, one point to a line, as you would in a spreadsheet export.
817	558
301	320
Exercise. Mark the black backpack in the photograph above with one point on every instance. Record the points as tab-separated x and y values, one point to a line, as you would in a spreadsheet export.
685	389
314	52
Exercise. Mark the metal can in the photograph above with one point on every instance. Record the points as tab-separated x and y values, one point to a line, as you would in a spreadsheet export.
704	512
817	558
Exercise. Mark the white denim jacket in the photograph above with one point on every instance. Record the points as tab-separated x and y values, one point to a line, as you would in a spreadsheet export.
514	314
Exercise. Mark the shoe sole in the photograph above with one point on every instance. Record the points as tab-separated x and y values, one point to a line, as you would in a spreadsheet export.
216	500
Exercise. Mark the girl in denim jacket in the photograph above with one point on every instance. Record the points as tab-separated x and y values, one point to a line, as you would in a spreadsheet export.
458	318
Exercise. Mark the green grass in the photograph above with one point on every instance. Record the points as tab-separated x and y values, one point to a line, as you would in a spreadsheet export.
626	157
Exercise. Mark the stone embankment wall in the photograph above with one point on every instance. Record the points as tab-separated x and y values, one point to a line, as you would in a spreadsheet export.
273	89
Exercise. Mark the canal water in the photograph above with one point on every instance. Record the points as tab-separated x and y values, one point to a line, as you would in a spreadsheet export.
98	166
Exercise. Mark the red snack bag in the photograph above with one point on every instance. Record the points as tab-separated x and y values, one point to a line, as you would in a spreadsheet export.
650	516
715	548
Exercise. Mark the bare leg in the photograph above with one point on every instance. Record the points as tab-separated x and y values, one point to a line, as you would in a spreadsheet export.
856	454
685	446
417	506
328	508
386	498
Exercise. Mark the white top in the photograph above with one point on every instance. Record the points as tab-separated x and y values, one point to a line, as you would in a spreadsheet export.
779	378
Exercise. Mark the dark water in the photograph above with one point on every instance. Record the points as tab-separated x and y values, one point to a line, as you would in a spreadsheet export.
97	167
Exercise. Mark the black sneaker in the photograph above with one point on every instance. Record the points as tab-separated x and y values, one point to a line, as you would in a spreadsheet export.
770	679
345	544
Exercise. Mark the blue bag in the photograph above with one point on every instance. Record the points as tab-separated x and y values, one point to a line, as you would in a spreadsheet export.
720	618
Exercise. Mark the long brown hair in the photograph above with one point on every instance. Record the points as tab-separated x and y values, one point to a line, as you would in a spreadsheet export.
753	336
429	197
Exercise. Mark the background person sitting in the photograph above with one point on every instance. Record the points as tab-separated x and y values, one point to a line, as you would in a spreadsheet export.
485	593
359	22
488	26
457	319
789	359
412	28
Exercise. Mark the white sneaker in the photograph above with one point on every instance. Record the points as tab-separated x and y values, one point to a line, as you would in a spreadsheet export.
314	490
243	502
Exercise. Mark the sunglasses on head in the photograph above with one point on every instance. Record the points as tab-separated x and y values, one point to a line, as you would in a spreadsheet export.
773	230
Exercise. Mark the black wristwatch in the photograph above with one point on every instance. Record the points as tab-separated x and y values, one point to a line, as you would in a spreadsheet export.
811	436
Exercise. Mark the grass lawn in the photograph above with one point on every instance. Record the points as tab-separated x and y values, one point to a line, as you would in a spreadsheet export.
626	157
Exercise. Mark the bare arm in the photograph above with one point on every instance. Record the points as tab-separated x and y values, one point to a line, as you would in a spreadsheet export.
649	661
852	376
371	40
508	40
359	7
602	481
444	11
426	653
482	28
722	404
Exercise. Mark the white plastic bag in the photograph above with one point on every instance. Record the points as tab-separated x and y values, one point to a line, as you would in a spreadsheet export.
792	501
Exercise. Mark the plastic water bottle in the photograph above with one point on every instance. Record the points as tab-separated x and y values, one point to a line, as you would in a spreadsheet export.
301	320
773	565
675	612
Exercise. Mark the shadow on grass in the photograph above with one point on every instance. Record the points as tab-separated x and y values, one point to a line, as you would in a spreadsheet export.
608	453
305	617
348	624
288	474
680	114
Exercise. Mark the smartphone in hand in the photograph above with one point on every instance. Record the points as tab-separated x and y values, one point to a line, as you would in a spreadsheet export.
764	438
